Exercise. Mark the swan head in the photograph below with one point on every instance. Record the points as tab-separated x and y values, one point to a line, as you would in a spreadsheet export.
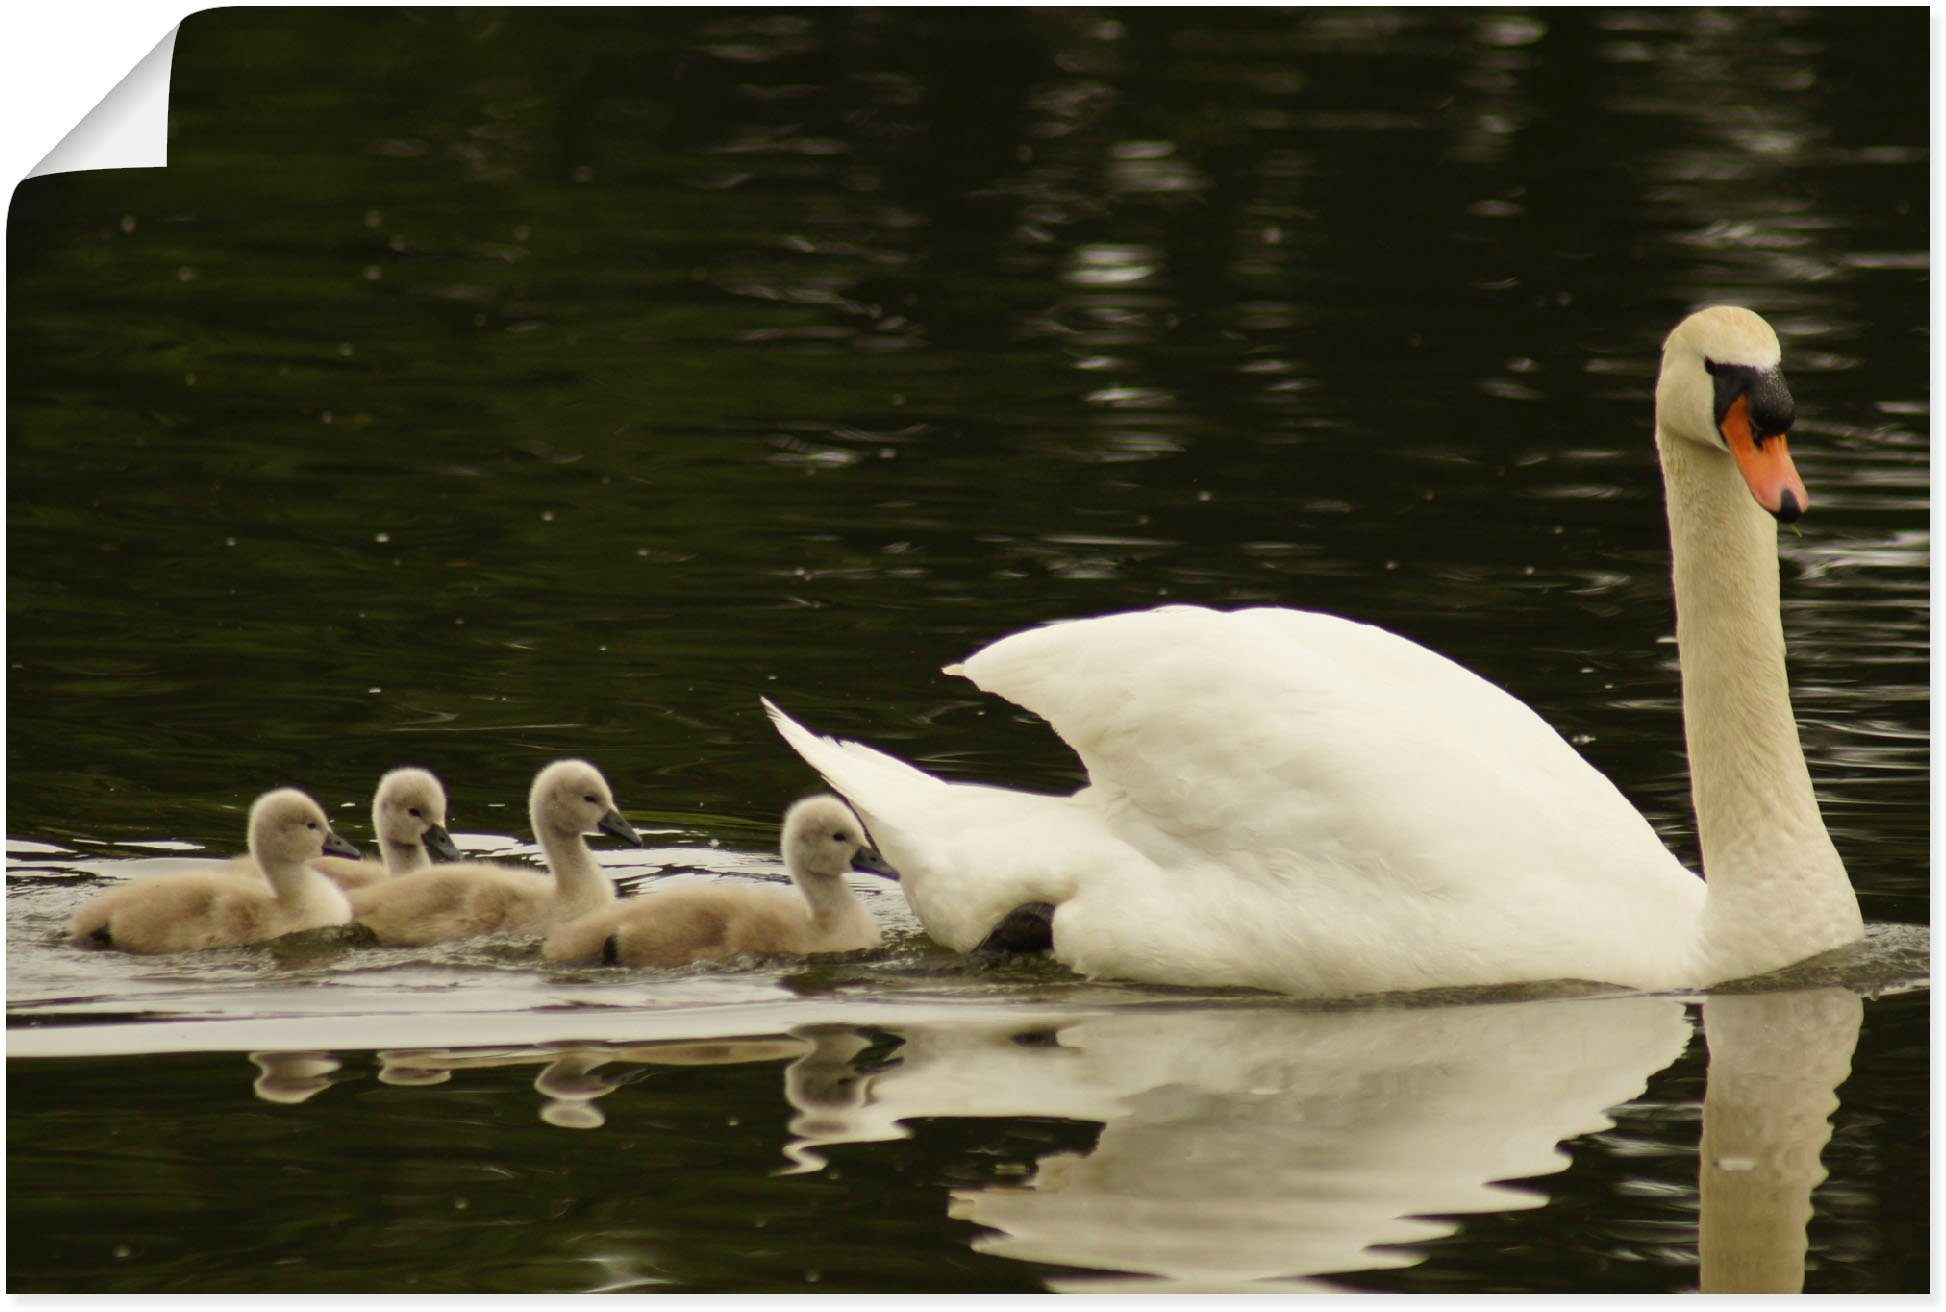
823	839
570	798
410	811
1722	386
287	829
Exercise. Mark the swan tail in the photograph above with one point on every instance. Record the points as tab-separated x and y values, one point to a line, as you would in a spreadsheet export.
866	777
981	851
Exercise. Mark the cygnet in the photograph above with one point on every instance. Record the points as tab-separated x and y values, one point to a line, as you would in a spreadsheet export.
468	899
822	840
409	818
226	906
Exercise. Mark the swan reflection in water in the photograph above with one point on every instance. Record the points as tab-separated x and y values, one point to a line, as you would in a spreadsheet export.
1253	1149
1268	1148
1264	1149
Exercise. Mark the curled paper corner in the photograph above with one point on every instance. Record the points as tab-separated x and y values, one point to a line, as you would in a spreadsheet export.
129	129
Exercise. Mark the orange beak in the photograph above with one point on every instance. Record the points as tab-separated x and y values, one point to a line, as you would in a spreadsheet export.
1765	462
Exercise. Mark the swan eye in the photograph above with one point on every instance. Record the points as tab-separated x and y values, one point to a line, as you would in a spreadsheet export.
413	811
1710	366
310	824
592	799
841	838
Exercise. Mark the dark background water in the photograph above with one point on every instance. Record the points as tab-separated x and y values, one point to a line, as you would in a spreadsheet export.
476	387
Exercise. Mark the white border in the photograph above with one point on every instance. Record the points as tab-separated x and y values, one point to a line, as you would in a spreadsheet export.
59	62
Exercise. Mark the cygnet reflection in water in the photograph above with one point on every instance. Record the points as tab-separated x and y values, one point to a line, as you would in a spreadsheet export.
572	1078
292	1077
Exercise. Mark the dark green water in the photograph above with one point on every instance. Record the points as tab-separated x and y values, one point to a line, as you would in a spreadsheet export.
480	387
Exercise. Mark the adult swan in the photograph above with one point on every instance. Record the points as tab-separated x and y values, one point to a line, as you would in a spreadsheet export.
1292	801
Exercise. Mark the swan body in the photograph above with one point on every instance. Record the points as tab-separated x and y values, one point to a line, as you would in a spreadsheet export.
277	893
469	899
683	925
1293	801
409	821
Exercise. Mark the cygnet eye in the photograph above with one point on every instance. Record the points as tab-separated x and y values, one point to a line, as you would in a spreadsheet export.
592	799
841	837
413	811
310	824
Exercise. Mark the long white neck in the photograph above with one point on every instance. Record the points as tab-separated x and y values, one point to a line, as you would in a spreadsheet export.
579	880
1777	888
403	858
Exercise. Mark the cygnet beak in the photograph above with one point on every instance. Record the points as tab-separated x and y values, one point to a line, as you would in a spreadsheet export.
439	844
615	826
336	846
871	863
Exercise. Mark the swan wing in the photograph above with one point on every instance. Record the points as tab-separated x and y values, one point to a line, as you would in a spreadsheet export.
1278	744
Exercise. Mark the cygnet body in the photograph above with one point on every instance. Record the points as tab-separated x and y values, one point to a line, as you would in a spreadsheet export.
822	839
469	899
409	819
277	893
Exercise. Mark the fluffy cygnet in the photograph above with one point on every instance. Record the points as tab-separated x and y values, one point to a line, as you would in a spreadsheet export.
278	893
409	818
822	840
467	899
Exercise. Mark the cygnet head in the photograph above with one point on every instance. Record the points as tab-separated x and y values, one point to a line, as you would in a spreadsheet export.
570	798
1722	386
823	839
409	810
287	829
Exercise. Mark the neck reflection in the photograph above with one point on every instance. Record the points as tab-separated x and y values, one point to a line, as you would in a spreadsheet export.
1776	1061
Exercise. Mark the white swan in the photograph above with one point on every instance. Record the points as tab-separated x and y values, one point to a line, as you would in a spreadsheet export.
277	893
1292	801
822	839
409	821
467	899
